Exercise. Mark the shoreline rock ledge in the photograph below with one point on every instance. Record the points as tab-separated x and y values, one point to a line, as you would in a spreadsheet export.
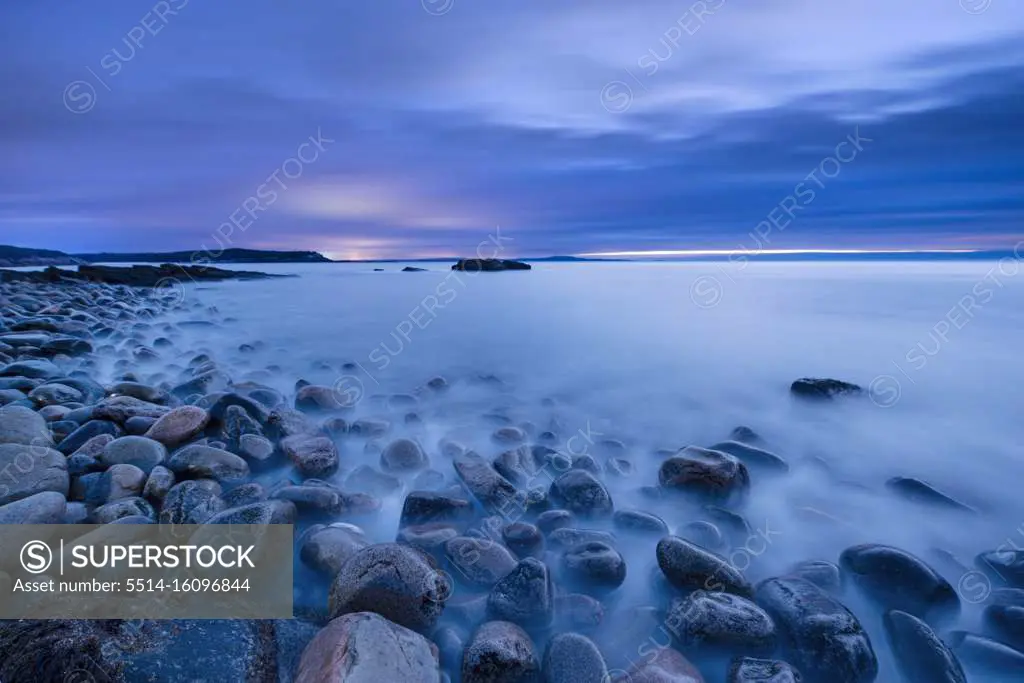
490	265
135	276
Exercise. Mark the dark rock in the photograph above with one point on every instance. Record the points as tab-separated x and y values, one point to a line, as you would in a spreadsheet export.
488	265
570	537
283	422
137	426
491	489
394	581
823	389
594	568
920	654
312	455
709	474
721	623
750	670
900	581
205	462
48	507
690	567
524	596
120	409
252	492
258	450
314	398
237	425
32	369
126	507
550	520
363	646
158	484
140	451
478	561
1004	617
267	512
822	638
189	502
573	658
93	428
370	427
500	652
640	522
317	498
578	612
421	507
581	493
428	538
54	394
523	539
403	455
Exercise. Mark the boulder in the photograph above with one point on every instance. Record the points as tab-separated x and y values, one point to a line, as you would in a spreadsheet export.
818	389
721	623
920	654
690	567
525	596
573	658
900	581
30	470
581	493
140	451
197	461
712	475
312	455
500	652
179	426
20	425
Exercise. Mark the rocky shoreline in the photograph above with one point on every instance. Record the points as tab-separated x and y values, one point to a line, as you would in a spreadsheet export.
167	275
503	568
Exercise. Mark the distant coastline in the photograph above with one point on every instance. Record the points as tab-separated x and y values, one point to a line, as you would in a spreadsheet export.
11	256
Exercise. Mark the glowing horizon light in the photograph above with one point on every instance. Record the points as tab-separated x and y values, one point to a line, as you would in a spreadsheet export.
771	252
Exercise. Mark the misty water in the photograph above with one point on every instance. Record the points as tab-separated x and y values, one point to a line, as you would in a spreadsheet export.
663	355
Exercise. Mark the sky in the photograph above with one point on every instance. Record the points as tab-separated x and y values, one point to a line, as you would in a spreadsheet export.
420	128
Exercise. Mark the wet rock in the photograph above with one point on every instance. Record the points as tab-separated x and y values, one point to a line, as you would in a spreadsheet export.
121	481
665	666
708	474
982	656
143	392
326	547
20	425
364	647
1005	566
517	465
283	423
120	409
179	426
638	521
313	456
138	426
745	434
47	507
267	512
91	429
54	394
751	670
594	568
126	507
821	573
619	467
140	451
30	470
158	484
573	658
753	457
366	478
189	502
429	480
500	652
690	567
923	493
524	596
818	389
721	623
205	462
403	455
237	424
920	654
509	435
317	498
491	489
422	507
478	561
581	493
252	492
394	581
550	520
900	581
1004	617
258	450
32	369
586	463
523	539
821	637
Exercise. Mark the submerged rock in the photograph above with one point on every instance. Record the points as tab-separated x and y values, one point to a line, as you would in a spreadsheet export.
750	670
752	456
1004	617
690	567
573	658
665	666
525	596
987	657
594	568
823	389
582	493
312	455
476	265
1003	565
478	561
712	475
923	493
721	623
